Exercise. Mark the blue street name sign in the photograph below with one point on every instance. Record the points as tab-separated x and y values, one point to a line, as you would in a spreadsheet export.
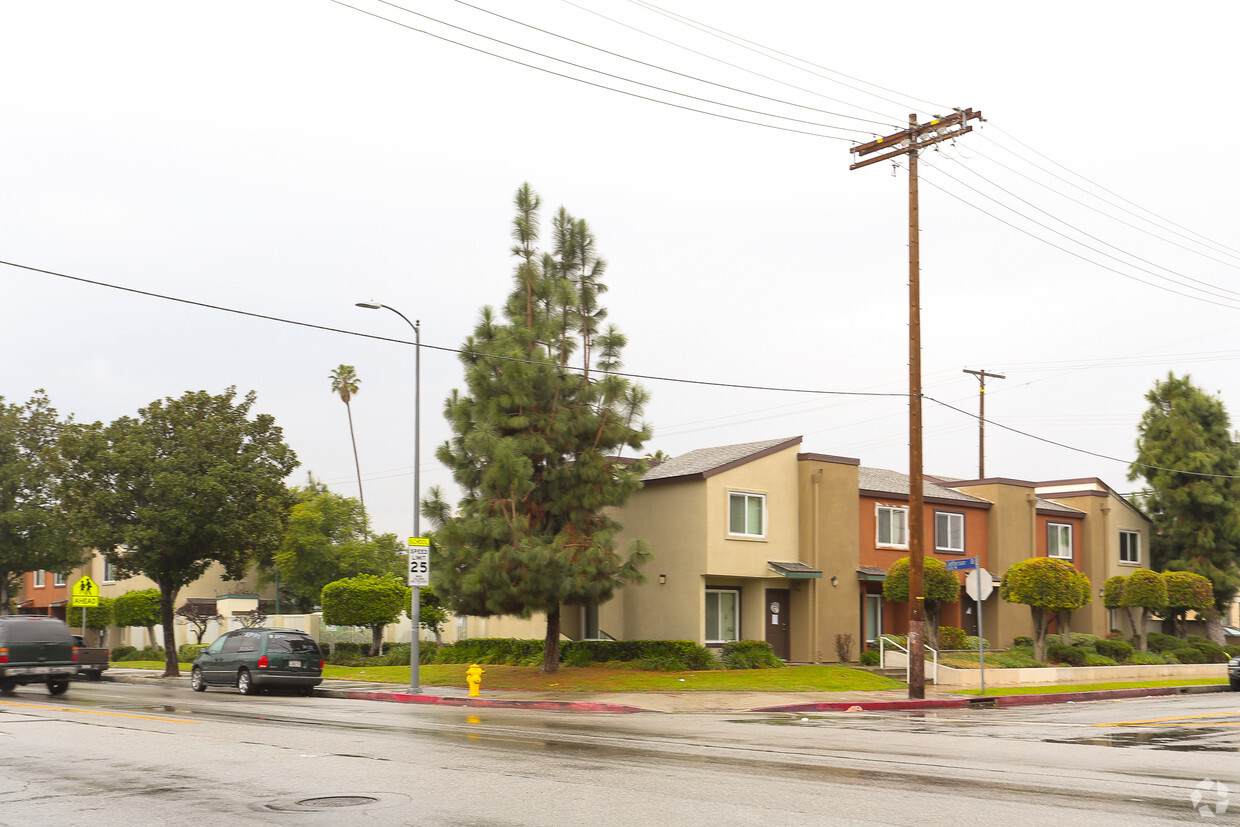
963	564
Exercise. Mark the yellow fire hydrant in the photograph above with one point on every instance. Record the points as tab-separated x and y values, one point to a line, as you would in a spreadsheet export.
473	676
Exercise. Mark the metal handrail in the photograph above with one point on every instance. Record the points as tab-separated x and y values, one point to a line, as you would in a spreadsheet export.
908	661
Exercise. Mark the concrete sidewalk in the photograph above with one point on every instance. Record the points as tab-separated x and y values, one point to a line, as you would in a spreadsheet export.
711	702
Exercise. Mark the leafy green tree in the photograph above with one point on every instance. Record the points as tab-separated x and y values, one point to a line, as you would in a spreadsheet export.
537	434
346	384
188	483
98	618
1187	592
940	586
327	540
366	600
139	608
1047	586
34	534
1147	591
431	612
1190	465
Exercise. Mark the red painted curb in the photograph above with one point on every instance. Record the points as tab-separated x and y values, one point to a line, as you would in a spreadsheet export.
493	703
844	706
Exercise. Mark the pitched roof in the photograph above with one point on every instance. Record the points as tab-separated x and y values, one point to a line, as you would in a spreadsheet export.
706	462
882	481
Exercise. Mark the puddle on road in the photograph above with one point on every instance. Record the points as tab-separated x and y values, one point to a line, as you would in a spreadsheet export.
1176	739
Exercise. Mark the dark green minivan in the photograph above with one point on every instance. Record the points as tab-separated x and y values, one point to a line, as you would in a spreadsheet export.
255	659
36	649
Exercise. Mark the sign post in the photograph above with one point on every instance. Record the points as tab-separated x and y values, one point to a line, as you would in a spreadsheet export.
419	576
979	584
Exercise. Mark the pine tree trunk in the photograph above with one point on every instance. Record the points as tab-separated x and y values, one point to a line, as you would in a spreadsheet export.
551	646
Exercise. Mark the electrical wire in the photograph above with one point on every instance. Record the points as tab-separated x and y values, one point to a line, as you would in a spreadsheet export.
660	68
649	377
604	86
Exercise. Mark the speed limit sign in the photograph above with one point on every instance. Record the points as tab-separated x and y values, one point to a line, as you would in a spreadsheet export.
419	561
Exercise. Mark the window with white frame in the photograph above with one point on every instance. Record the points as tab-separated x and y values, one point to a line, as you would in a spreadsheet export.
948	531
39	579
1129	547
109	571
722	615
892	526
58	579
746	514
1059	540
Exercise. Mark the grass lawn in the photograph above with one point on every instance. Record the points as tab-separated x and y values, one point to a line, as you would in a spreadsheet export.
611	679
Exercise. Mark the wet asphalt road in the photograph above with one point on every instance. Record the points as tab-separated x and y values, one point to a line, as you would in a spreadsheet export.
140	754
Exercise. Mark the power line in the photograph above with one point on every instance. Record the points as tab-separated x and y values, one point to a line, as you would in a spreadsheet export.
656	66
604	86
649	377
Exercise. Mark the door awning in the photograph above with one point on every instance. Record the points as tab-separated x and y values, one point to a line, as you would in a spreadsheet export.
871	573
797	571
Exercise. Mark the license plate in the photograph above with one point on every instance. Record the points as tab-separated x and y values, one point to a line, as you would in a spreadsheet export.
32	670
294	664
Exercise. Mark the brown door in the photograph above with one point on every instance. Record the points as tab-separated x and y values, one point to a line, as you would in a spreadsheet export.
777	619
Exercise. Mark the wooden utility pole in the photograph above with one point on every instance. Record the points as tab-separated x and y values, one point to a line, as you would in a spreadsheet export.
908	142
981	418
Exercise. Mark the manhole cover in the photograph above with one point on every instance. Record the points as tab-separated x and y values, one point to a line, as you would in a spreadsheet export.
337	801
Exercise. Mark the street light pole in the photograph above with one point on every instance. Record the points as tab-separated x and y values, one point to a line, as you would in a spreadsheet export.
415	595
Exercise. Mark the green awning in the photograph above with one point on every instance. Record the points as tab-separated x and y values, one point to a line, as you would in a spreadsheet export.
797	571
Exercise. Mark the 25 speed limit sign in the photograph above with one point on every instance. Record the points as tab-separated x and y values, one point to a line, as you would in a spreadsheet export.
419	561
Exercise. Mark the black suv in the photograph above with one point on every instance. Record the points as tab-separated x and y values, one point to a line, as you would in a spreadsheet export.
254	659
36	649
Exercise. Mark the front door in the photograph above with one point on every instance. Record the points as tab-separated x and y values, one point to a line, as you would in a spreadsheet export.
777	620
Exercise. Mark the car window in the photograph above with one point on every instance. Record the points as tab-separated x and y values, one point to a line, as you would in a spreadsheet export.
214	648
232	643
296	644
38	631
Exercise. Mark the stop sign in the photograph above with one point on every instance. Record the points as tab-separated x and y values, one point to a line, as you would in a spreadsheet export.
978	584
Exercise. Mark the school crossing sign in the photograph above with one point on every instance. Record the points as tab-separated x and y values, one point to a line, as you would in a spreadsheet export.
85	593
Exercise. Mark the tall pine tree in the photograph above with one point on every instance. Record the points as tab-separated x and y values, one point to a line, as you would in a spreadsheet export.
1190	465
538	433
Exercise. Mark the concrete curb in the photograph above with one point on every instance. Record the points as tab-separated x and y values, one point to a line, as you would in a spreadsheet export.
485	703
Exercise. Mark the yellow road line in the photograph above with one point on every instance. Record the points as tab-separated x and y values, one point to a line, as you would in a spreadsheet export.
1169	720
96	712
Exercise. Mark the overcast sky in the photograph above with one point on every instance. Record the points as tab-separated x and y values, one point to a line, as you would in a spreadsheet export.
288	158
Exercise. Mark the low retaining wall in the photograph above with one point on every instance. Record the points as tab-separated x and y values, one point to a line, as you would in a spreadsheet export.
1077	674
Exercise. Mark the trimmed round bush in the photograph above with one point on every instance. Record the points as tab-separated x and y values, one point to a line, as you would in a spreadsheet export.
1146	658
1022	640
749	654
1117	650
1158	642
1056	652
868	658
122	652
1188	654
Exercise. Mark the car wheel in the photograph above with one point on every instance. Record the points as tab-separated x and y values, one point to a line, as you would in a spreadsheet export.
245	684
308	691
58	687
95	676
1235	684
8	687
196	681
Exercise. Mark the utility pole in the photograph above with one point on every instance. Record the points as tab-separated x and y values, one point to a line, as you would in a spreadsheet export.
908	142
981	418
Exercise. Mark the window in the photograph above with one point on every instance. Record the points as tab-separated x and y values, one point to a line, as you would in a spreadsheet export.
722	615
1129	547
38	579
109	572
58	579
948	531
1059	540
747	515
892	526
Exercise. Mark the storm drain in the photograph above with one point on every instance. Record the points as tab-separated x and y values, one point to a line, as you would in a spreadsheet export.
337	801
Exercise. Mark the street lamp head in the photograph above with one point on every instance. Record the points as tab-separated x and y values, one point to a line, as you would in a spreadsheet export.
370	305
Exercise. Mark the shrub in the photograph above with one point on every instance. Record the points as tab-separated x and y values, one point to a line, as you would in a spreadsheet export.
868	658
1084	640
1146	658
971	643
1114	648
1056	652
1158	642
900	640
1212	651
144	654
1018	657
843	647
578	657
186	652
122	652
1022	640
749	654
1188	654
398	654
951	638
1092	659
1232	650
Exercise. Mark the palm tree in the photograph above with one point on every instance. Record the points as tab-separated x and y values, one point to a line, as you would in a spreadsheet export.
345	382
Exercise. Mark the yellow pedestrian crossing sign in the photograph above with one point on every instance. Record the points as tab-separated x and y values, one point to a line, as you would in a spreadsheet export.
85	593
